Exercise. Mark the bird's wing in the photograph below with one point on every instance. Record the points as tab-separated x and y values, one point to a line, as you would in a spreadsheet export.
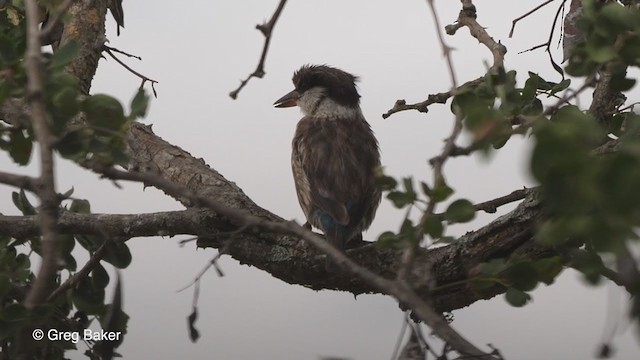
337	162
314	192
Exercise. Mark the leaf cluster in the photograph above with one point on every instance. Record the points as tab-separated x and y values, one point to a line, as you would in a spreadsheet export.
85	128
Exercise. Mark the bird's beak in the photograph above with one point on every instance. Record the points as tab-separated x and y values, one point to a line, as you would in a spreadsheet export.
291	99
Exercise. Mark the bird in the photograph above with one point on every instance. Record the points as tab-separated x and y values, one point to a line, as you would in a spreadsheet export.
335	154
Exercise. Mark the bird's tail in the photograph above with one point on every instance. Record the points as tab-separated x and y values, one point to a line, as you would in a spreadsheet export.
338	235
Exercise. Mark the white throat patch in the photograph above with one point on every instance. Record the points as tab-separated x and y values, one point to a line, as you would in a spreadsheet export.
315	103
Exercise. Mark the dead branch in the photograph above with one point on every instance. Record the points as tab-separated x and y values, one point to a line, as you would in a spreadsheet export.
266	29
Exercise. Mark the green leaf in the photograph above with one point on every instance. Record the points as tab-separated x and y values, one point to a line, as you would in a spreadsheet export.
384	182
66	243
433	226
522	275
99	277
114	320
615	125
14	312
620	16
64	55
20	147
426	190
81	206
401	199
90	242
408	186
516	297
104	112
622	83
21	201
5	284
139	105
530	87
87	298
72	145
22	268
579	62
532	108
408	232
601	54
548	269
66	102
494	267
562	85
460	211
587	262
500	141
118	255
69	262
43	312
67	194
441	193
387	239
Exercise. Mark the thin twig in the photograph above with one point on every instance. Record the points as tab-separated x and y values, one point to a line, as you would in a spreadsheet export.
408	254
534	48
446	49
94	260
547	44
568	96
491	206
416	329
144	78
440	98
266	30
513	23
403	329
212	263
49	200
123	52
19	181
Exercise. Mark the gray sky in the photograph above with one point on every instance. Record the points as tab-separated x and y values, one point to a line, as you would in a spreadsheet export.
198	51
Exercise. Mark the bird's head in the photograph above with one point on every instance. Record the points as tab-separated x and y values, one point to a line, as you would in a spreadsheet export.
322	90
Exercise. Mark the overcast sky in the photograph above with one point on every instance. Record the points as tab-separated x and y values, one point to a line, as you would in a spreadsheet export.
198	51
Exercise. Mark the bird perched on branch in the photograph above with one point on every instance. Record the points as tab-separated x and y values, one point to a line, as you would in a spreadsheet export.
335	154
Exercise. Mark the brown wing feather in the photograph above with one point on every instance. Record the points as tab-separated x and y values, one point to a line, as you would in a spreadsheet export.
333	163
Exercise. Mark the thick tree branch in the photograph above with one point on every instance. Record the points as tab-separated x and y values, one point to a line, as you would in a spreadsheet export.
281	255
86	28
190	221
401	289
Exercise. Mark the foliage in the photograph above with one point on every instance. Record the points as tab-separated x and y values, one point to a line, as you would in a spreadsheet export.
88	128
591	202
